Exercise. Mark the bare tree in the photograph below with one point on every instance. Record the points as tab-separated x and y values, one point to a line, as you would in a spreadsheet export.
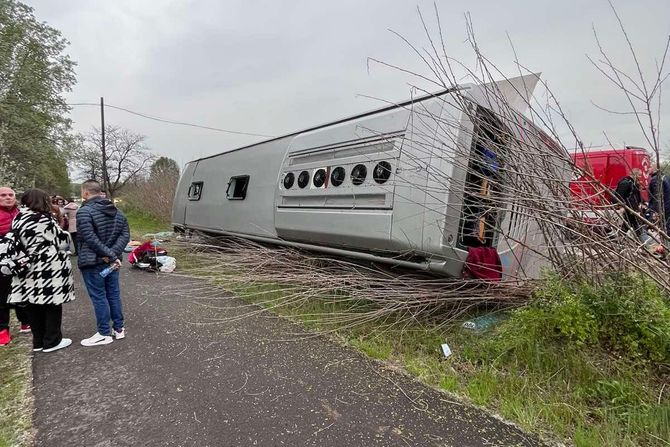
127	157
87	158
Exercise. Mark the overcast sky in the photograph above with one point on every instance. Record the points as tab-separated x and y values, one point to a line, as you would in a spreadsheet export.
272	67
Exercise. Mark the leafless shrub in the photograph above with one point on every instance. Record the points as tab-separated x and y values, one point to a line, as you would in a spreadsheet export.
280	277
152	196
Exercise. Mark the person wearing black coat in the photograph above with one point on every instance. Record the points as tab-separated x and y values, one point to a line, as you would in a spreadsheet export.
659	198
628	193
103	235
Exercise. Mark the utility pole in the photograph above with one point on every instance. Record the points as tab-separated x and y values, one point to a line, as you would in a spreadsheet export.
105	180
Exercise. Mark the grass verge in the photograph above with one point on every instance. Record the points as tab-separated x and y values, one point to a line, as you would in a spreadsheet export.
142	223
16	403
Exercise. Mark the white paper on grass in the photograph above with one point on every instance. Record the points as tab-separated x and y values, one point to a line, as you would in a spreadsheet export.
446	350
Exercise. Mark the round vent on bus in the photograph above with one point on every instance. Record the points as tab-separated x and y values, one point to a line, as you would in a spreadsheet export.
337	176
358	174
319	178
289	179
382	172
303	179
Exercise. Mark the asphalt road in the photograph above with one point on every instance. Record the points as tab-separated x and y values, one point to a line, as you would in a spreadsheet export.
181	378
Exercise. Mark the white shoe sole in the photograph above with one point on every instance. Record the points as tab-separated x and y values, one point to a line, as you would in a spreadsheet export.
37	349
64	343
101	342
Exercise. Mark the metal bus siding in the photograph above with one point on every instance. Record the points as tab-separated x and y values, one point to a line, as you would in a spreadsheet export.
374	220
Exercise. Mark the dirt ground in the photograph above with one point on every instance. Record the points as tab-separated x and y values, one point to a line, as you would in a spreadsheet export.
182	378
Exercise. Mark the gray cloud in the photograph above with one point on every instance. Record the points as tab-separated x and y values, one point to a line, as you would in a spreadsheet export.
275	67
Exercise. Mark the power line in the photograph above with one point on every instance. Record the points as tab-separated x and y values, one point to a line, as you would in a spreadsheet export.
163	120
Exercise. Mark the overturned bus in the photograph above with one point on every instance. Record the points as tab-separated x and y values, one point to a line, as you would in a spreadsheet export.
411	184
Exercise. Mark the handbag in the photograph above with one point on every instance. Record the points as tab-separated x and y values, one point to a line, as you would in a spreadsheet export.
13	260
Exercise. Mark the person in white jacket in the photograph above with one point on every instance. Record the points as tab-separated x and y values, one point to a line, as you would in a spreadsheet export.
48	282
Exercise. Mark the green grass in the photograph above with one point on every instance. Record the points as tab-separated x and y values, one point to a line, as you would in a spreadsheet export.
583	393
16	405
142	223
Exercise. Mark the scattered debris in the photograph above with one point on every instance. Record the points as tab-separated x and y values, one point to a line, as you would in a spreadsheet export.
146	256
131	245
161	236
484	322
446	350
166	264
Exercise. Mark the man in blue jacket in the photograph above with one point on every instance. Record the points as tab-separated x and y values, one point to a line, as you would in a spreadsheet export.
659	198
103	234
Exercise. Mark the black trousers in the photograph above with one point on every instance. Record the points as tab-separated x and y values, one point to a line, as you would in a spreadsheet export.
75	248
45	323
21	312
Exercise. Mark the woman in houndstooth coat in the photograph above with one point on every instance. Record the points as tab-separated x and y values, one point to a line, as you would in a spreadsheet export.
47	282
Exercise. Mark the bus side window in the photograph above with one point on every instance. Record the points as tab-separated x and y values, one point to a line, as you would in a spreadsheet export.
237	187
195	191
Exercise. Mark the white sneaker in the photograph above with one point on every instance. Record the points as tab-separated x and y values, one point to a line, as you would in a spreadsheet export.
97	339
120	334
64	343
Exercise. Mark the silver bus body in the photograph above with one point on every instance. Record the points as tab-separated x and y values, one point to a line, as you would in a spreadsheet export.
412	218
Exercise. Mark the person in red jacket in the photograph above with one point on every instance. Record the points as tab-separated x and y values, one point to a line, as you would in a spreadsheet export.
8	211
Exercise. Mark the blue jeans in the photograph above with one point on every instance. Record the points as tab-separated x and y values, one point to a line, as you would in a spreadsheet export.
105	295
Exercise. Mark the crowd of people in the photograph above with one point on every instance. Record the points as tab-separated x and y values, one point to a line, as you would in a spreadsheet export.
38	237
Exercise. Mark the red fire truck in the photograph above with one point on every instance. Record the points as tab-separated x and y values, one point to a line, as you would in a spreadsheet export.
607	167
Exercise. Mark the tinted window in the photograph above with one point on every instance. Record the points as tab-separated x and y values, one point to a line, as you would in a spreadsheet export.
237	187
195	191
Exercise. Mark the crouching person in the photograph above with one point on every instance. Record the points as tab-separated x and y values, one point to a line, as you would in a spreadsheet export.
103	234
45	281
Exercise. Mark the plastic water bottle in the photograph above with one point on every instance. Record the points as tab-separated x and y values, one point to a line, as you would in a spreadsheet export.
484	322
108	270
